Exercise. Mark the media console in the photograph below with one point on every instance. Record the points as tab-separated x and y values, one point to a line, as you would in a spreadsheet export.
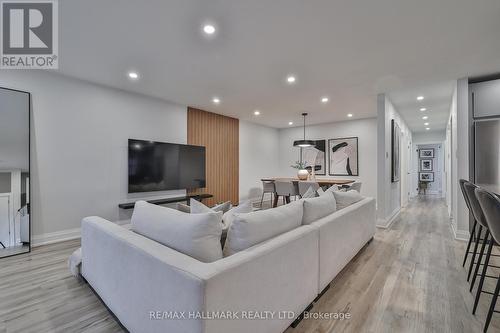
199	197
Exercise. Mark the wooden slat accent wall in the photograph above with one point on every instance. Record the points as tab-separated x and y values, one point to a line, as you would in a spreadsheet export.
220	135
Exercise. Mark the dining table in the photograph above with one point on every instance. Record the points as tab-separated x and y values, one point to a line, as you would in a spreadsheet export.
323	181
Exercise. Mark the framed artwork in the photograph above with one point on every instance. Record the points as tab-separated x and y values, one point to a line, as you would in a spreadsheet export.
315	157
426	153
343	157
426	176
426	165
395	160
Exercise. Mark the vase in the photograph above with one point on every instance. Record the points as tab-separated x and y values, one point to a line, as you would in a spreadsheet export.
302	174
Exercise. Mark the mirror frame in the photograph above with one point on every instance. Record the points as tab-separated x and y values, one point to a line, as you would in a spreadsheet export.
30	210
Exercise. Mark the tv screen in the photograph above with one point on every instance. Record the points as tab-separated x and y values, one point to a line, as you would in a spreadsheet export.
159	166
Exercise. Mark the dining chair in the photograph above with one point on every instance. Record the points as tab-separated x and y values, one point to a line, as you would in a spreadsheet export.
305	185
490	205
356	186
285	189
267	187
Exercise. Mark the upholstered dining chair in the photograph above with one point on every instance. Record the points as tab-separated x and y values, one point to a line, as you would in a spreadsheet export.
285	189
490	205
267	187
304	186
473	236
356	186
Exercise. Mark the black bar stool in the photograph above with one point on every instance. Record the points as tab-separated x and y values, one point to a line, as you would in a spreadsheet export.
477	212
490	205
473	232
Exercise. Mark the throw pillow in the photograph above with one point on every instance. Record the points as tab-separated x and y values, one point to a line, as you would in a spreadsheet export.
345	199
183	207
316	208
196	235
199	207
248	229
244	207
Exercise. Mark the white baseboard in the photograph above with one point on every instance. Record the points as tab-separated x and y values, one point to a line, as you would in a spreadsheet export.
54	237
386	223
461	235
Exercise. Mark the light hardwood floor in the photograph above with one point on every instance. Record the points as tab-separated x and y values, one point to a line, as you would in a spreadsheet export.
409	279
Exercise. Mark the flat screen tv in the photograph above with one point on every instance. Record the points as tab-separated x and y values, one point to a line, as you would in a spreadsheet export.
160	166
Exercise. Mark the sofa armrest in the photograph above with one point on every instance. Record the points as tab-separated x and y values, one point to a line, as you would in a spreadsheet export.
136	277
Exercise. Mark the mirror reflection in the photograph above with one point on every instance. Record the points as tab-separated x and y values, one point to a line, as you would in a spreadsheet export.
14	172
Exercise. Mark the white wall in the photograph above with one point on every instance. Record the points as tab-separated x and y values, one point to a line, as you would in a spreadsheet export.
259	151
364	129
389	193
79	151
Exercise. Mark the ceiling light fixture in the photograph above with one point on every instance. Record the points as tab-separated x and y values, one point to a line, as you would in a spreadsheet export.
304	143
133	75
420	98
256	112
423	109
349	115
425	117
427	128
209	29
324	100
426	124
216	100
290	123
291	79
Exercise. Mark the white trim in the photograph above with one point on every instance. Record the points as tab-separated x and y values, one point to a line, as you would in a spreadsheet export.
55	237
460	235
387	223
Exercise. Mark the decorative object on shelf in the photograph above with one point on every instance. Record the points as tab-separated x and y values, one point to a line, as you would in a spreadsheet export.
426	165
426	176
304	143
426	153
395	165
302	172
343	157
315	158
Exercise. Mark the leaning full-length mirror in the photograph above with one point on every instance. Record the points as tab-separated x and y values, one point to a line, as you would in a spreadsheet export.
14	172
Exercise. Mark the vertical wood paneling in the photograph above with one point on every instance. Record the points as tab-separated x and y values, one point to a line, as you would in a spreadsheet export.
220	135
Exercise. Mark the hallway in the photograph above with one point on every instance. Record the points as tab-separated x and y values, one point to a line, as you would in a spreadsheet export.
409	279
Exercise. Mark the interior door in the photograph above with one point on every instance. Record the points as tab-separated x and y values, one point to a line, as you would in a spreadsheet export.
5	220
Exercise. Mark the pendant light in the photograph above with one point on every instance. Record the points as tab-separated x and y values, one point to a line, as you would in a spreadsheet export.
304	143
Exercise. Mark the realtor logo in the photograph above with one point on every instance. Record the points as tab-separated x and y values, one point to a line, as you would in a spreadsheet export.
29	34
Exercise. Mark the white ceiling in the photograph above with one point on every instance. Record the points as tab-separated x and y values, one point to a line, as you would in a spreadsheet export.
347	50
437	101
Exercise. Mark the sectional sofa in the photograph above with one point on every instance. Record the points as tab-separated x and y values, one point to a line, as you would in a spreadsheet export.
151	287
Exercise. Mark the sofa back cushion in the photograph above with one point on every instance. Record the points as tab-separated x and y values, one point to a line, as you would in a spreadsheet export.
316	208
196	235
345	199
248	229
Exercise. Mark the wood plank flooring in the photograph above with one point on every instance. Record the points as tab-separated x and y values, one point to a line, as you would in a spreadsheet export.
408	279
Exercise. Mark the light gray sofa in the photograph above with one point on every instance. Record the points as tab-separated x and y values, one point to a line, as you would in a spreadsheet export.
139	278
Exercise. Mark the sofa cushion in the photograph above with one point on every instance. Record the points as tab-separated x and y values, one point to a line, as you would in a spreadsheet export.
248	229
316	208
196	235
228	217
345	199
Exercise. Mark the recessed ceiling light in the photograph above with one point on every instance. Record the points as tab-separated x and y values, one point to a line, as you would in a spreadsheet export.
426	124
425	117
290	123
420	98
216	100
349	115
256	112
133	75
209	29
427	128
423	109
324	100
291	79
